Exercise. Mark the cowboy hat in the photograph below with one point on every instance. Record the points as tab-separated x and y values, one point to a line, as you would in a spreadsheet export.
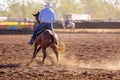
48	4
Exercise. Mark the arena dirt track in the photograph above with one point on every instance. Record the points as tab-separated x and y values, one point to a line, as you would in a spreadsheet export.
87	57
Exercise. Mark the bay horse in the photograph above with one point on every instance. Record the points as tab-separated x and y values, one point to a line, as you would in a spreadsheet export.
44	40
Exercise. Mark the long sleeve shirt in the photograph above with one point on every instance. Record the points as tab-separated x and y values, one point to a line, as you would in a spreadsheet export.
47	15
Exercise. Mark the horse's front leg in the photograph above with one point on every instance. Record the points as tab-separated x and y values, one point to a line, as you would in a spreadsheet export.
70	28
38	49
35	52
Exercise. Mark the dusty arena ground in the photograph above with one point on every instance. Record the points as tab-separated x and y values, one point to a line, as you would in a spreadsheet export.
87	57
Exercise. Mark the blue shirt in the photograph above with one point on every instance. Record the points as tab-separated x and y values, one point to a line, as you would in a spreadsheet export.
47	15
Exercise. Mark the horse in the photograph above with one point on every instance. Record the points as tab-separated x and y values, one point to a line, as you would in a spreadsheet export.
44	40
70	25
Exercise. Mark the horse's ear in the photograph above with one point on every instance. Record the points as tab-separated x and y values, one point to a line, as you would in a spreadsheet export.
35	14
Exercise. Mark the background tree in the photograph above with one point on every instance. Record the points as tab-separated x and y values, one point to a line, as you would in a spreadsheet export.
98	9
69	6
23	9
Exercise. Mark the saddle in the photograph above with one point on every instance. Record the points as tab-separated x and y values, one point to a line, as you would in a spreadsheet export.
42	30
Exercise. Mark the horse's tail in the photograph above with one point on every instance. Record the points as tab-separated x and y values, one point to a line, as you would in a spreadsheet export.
54	44
52	39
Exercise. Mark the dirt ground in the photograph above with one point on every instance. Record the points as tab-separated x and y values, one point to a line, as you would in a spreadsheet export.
87	57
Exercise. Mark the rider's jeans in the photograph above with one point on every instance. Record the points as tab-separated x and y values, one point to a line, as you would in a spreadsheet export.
38	28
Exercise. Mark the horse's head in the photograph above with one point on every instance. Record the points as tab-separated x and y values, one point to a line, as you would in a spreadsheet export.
36	15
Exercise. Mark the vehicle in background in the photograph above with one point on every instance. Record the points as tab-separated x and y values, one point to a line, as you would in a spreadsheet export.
77	17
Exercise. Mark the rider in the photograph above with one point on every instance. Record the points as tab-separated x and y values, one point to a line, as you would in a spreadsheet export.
46	17
67	20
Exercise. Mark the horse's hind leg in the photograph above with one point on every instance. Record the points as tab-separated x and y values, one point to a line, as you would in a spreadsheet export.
73	29
44	54
56	52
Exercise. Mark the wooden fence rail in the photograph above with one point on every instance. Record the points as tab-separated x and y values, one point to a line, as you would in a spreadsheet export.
92	25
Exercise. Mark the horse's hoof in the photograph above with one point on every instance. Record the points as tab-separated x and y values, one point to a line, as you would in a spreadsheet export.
27	64
42	63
